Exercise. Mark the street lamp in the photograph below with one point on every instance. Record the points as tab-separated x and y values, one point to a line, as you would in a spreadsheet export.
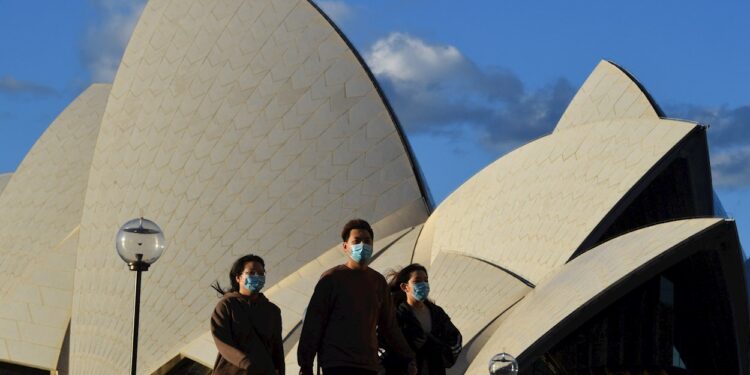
139	242
503	364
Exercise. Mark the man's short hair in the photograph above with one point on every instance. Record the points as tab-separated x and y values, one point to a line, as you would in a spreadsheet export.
356	224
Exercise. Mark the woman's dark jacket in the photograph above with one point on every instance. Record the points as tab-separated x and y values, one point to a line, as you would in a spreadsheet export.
247	333
433	348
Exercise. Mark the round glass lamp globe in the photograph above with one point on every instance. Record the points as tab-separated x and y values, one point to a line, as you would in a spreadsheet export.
140	241
503	364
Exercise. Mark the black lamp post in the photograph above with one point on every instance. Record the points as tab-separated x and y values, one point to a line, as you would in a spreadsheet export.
139	242
503	364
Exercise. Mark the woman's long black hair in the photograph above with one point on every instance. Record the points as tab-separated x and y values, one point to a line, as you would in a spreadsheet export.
396	278
236	270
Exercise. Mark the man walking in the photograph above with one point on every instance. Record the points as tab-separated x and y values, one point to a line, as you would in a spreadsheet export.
350	305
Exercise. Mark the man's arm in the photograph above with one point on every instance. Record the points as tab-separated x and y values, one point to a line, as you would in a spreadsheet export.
222	333
314	323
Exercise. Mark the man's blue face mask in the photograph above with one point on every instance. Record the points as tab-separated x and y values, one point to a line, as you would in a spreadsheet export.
361	252
255	283
420	291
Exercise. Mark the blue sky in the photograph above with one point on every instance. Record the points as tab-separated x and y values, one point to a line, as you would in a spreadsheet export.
469	80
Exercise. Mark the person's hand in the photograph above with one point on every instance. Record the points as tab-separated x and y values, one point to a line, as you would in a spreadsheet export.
456	348
306	371
412	368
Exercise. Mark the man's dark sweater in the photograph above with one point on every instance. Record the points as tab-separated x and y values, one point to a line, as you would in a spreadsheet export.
341	321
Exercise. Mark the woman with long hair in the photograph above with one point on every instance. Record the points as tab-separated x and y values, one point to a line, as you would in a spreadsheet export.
425	325
245	325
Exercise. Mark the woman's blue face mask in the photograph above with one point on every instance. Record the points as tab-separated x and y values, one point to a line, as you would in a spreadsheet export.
255	283
420	291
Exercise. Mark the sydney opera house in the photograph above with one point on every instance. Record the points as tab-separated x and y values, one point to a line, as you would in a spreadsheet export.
254	126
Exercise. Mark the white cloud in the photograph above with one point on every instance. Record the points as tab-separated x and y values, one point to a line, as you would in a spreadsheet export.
106	40
436	89
403	58
338	11
731	167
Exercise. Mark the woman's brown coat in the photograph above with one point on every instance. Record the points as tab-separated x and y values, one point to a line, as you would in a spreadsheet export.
247	333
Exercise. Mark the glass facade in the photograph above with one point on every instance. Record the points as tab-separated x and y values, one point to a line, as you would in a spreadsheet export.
674	324
669	196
